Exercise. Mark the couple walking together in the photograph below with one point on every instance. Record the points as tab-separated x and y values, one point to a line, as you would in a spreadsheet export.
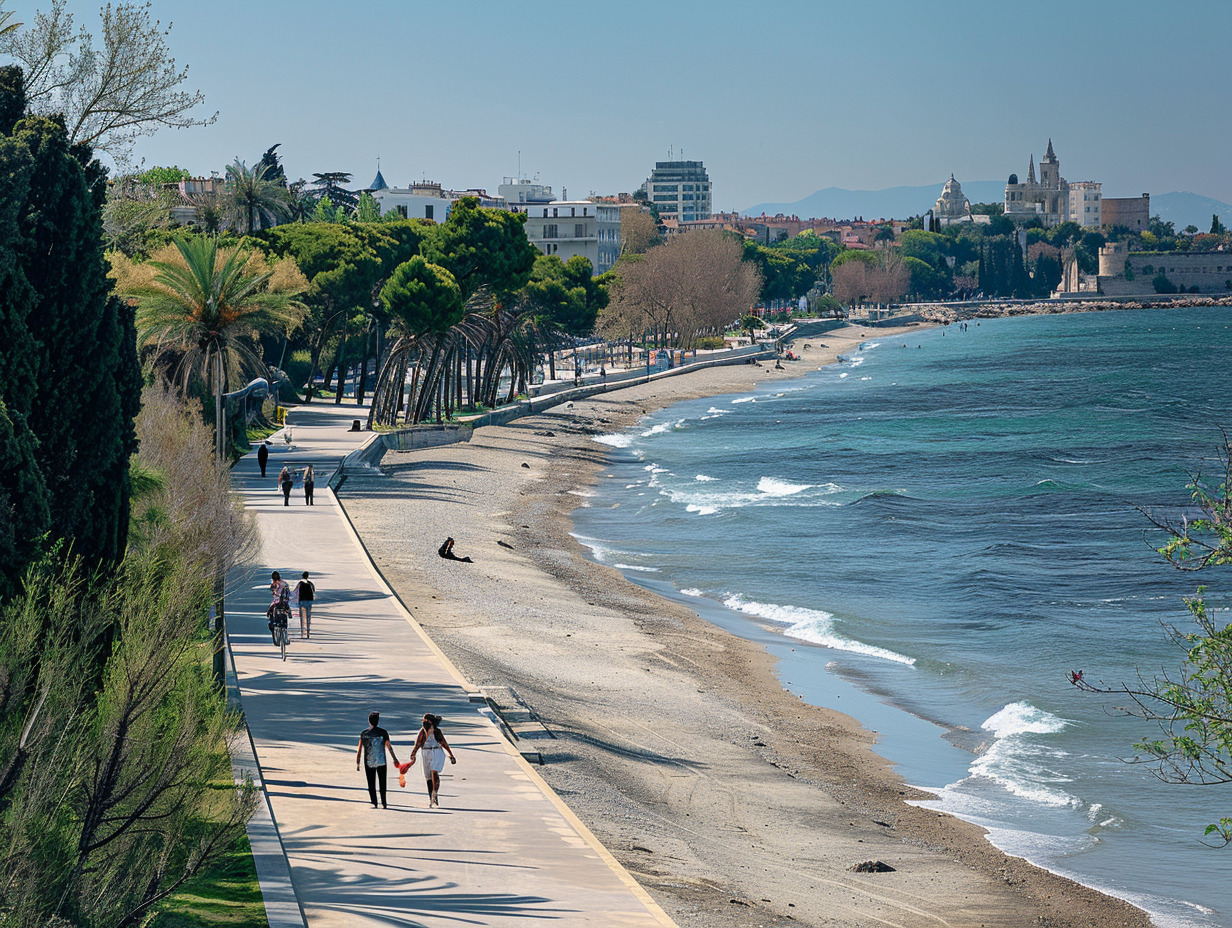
286	480
374	744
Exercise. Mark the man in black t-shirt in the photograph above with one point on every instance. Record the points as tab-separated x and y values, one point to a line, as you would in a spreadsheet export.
373	744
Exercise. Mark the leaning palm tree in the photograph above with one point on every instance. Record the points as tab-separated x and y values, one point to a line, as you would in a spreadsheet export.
211	307
254	200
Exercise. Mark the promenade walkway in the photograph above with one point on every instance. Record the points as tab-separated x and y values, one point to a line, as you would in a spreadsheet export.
502	850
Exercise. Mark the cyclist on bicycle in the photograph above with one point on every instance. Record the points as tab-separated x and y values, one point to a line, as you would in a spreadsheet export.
279	611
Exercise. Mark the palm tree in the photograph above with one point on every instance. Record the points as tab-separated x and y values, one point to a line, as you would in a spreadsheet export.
254	200
212	307
300	202
5	15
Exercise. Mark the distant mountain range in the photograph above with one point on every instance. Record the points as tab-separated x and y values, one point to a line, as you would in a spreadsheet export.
1181	207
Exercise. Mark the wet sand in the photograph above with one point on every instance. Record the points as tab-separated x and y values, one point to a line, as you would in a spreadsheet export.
732	801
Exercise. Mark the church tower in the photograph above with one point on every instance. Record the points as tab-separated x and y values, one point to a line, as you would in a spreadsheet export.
1031	171
1050	169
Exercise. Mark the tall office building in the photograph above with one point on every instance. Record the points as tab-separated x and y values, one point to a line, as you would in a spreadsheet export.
679	190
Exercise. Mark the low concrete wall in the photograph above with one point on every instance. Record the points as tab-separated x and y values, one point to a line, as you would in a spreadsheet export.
812	328
367	458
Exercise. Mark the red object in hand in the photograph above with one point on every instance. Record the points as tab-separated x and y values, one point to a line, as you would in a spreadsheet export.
402	769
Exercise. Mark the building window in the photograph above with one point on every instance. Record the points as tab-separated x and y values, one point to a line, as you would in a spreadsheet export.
549	231
572	211
555	212
429	210
579	230
401	210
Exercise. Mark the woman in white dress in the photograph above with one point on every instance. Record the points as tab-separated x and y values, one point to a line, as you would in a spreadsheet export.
432	742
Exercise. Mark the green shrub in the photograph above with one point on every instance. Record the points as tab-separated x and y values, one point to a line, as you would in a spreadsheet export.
1162	284
709	341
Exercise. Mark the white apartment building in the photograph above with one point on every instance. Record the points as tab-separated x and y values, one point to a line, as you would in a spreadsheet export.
679	190
1084	203
425	200
564	228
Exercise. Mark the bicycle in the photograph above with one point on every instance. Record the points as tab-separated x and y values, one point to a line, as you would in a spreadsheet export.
278	627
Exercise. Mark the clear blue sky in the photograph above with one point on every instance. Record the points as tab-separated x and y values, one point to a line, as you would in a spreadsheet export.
778	99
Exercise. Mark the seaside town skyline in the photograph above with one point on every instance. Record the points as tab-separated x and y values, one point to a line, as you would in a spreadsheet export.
810	97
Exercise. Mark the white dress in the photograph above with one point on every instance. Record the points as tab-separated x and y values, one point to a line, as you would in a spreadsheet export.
433	757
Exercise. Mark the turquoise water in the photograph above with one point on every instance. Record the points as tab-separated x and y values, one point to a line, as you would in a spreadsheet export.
932	534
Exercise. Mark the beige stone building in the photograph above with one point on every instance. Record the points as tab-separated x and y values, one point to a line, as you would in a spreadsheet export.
1046	199
1133	213
1132	273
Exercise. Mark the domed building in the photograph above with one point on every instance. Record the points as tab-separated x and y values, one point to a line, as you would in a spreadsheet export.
952	206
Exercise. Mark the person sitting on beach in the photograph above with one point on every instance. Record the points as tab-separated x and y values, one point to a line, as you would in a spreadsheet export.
446	551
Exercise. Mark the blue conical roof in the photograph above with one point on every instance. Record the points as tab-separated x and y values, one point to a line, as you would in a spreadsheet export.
378	182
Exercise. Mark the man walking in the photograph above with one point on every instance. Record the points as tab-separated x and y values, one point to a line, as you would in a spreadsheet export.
263	457
373	743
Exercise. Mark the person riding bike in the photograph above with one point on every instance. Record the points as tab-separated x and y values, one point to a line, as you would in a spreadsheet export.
279	611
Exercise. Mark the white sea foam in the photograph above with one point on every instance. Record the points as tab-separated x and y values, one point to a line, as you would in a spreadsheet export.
769	491
1020	761
616	440
640	570
843	375
745	399
657	429
813	625
773	487
691	591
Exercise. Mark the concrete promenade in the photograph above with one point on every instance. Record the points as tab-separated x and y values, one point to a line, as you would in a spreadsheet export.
502	850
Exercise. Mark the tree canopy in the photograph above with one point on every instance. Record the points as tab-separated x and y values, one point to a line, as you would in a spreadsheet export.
483	248
111	90
70	386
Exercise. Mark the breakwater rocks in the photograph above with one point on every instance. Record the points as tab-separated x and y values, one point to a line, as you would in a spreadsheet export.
944	315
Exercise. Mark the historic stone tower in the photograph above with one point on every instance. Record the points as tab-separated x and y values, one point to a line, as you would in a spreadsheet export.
1047	199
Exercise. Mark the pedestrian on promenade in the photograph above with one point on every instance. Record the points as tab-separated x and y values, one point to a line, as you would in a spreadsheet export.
306	593
263	457
373	744
310	478
285	480
431	740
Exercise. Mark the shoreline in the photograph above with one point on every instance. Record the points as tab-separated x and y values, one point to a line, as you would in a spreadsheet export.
729	798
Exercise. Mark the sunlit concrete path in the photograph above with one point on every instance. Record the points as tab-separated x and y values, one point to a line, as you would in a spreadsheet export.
502	849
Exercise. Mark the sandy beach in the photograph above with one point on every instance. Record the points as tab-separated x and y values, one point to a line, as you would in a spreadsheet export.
732	801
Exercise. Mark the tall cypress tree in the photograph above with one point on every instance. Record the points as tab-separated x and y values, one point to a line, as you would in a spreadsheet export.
71	377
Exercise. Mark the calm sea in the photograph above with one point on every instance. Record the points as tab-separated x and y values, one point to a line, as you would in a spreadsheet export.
931	534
